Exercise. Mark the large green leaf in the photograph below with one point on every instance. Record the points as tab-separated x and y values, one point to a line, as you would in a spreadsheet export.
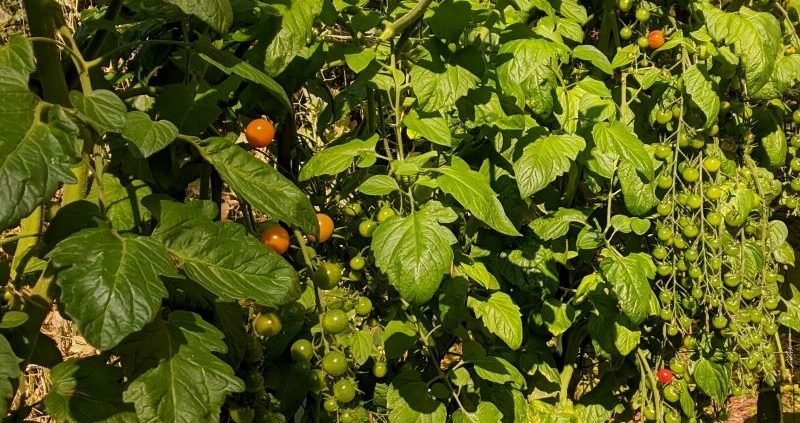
9	374
146	136
18	54
473	191
640	197
629	276
222	257
218	14
755	36
174	375
122	202
259	184
338	158
616	138
231	64
408	401
791	317
110	284
297	20
88	390
713	378
701	89
501	316
415	252
785	75
35	156
544	160
594	56
101	108
494	369
556	225
431	126
526	72
438	84
486	412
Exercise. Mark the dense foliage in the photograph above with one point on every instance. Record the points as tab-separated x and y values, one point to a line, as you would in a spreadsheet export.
404	211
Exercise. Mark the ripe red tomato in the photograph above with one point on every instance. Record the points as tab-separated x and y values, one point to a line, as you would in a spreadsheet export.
655	38
259	133
664	376
276	238
325	228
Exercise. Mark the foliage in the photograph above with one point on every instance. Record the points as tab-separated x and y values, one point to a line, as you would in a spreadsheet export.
536	216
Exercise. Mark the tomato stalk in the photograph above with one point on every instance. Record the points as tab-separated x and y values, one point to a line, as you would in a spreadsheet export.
647	372
309	265
410	17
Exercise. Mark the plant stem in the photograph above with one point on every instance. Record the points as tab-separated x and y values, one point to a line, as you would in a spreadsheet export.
392	28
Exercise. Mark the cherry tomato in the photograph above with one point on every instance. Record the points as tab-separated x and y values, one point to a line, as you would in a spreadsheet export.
626	33
302	350
624	5
795	164
259	133
344	390
671	393
334	363
328	275
664	376
649	412
363	306
655	38
316	380
642	14
352	210
335	322
330	405
796	116
663	151
659	252
325	228
367	227
642	42
664	181
267	324
713	193
242	414
357	262
677	366
690	174
384	214
663	116
719	322
276	238
293	312
379	369
672	416
711	164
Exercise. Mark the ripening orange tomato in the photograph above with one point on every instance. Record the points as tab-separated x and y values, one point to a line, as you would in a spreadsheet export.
655	39
325	228
259	133
276	238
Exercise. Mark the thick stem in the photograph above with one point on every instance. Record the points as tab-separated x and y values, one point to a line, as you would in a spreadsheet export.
31	227
397	26
41	24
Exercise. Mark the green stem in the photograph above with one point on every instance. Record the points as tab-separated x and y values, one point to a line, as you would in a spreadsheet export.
41	25
309	265
77	58
31	229
648	373
392	28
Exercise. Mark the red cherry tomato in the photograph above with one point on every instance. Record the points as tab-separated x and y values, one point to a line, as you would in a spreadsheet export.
664	376
260	133
655	39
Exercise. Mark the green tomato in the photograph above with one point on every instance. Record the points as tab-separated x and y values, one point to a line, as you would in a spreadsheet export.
293	312
642	14
267	324
713	193
711	164
335	322
327	276
334	363
384	214
626	33
689	342
624	5
796	116
663	116
302	350
672	416
691	231
671	394
649	412
352	210
379	369
663	151
719	322
367	227
677	366
690	174
316	380
660	253
330	405
664	181
242	414
344	390
694	201
357	262
643	42
794	164
364	306
770	329
714	219
664	209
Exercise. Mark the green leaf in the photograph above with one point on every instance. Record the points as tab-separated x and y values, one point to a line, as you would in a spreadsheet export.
625	56
527	72
436	84
612	332
748	259
147	137
768	129
640	197
701	89
123	203
486	412
544	160
175	375
218	14
415	252
336	159
616	138
231	64
35	156
222	257
501	316
476	195
297	21
408	401
686	400
18	54
791	317
431	126
557	225
259	184
755	36
361	347
9	375
557	316
379	185
784	76
398	337
360	60
453	302
88	389
713	378
478	272
13	319
449	19
101	108
784	254
629	276
594	56
110	284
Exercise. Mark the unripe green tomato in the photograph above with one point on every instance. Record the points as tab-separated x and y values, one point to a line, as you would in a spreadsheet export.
642	15
796	116
694	201
379	369
330	405
671	393
690	174
713	193
344	390
664	209
662	151
367	227
663	116
335	322
672	330
643	42
352	210
357	262
384	214
659	252
267	324
363	306
327	276
624	5
719	322
625	33
714	219
334	363
302	350
242	414
711	164
664	181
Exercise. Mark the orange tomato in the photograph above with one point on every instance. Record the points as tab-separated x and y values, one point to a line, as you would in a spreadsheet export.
276	238
259	133
325	228
655	38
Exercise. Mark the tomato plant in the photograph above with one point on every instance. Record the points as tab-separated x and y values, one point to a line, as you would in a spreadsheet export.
501	211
